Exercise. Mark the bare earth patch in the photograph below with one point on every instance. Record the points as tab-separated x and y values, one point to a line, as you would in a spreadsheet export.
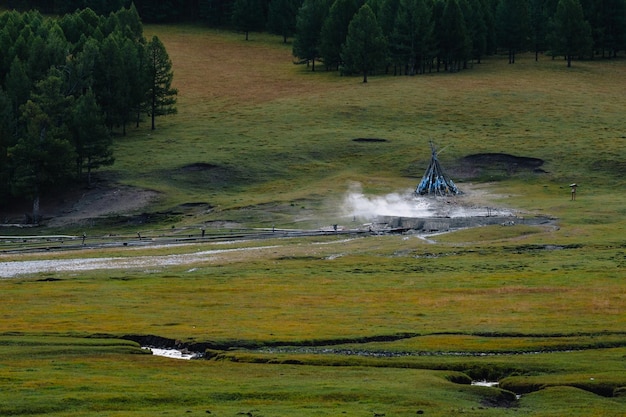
101	202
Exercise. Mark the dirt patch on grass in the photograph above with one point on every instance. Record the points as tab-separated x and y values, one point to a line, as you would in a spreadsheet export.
208	176
199	166
494	166
78	206
369	140
101	201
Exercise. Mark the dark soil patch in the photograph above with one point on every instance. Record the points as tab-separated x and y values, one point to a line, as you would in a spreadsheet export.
195	204
503	399
122	220
494	166
192	208
199	166
608	166
370	140
518	162
19	210
207	176
77	204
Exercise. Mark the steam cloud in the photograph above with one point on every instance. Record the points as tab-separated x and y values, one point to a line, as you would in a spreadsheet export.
357	205
408	204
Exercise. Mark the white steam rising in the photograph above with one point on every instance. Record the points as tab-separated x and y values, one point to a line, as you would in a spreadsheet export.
408	204
357	205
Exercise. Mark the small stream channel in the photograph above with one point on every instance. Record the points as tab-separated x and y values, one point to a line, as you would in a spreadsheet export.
186	354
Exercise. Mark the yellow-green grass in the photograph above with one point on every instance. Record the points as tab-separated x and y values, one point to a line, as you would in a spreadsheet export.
291	291
114	384
102	377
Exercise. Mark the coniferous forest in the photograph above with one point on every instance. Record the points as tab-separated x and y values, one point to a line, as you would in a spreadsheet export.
67	85
445	29
73	72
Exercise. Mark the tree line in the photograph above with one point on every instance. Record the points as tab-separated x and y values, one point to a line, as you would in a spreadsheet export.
447	33
67	85
215	12
417	36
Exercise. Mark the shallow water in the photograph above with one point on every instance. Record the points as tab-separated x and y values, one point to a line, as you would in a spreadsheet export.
172	353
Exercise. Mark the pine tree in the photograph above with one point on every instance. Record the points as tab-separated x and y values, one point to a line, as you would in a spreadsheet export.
43	158
366	46
110	79
7	129
513	25
161	96
18	84
572	33
539	26
412	37
610	26
309	23
335	30
281	18
89	134
248	16
476	27
454	42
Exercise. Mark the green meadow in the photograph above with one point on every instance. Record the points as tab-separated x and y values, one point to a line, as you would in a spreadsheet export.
391	325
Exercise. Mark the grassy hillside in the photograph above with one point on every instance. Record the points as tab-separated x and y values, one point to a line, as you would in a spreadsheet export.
255	129
388	325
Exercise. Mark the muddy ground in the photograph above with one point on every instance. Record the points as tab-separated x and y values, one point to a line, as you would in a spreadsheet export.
107	199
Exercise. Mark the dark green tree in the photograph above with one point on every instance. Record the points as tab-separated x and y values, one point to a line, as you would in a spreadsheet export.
129	23
18	85
439	28
454	42
90	137
572	33
366	46
48	49
9	24
21	46
248	16
79	69
489	13
7	130
111	84
132	92
161	97
42	158
513	26
82	26
386	12
281	17
539	24
309	23
214	12
609	26
476	27
335	30
412	38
